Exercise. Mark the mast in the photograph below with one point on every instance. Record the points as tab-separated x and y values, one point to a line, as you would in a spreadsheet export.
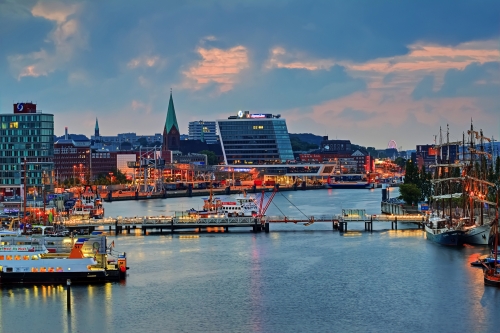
464	201
481	186
439	170
449	168
471	164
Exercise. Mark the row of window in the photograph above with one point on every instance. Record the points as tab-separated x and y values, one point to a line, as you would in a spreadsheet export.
19	257
32	117
24	132
25	138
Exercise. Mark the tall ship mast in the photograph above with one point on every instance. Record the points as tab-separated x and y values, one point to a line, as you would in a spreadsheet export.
440	227
477	227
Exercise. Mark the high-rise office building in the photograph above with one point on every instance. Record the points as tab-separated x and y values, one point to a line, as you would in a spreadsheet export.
26	141
255	139
203	130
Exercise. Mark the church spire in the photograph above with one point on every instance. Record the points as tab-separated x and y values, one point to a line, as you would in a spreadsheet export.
96	129
171	118
171	134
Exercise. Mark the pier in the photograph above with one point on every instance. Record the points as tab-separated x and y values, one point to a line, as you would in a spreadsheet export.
222	222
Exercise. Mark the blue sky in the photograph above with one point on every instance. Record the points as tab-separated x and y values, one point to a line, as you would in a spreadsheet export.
368	71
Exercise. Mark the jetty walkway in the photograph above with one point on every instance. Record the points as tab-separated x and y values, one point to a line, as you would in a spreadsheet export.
223	223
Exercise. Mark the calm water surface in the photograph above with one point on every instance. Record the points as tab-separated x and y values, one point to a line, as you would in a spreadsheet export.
294	279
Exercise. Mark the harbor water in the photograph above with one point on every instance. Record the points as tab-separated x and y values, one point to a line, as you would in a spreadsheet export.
294	279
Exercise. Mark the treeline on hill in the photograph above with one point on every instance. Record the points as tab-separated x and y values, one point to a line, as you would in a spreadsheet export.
299	145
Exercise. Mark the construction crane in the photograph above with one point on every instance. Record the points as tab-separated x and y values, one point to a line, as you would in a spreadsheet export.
262	210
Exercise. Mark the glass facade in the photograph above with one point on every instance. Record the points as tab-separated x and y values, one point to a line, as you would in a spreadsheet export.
255	141
26	136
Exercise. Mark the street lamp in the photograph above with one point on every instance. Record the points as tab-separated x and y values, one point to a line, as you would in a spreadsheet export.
74	171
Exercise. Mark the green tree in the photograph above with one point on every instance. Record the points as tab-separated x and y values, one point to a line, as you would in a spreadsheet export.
410	193
211	157
400	161
411	174
299	145
143	142
425	184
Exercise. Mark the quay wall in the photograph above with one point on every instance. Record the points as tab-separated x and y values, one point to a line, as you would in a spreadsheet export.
129	195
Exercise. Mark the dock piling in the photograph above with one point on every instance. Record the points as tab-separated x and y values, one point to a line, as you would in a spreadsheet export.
68	294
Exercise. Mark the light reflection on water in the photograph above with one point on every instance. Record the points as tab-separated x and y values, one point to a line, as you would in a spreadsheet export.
295	278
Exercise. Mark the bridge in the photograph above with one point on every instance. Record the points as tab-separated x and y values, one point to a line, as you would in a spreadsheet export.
185	221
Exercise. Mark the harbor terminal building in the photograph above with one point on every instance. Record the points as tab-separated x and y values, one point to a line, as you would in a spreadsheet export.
249	139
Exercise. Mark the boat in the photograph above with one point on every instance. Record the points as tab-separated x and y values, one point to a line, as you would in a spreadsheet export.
439	231
339	184
87	206
486	260
475	190
438	227
492	272
242	205
29	262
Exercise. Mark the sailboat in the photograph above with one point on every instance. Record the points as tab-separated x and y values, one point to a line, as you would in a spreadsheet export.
492	274
476	189
440	229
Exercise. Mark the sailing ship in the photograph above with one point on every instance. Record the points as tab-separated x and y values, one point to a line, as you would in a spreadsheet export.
475	191
439	227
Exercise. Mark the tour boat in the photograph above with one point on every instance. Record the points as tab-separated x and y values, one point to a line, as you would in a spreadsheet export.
28	262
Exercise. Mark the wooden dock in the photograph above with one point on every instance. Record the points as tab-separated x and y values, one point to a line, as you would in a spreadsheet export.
171	223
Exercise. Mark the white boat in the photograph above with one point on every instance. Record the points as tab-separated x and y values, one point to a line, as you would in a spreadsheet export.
476	234
241	206
27	262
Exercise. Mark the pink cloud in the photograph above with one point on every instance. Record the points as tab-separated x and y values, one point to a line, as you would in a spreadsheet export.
281	58
219	66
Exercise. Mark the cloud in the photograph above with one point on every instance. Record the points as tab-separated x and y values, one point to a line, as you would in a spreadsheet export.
145	61
355	115
475	80
65	38
280	58
218	66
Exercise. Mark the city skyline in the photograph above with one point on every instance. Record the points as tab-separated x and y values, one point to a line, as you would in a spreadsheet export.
363	71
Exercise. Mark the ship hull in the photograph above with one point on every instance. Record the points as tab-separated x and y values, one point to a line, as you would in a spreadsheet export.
444	236
477	236
15	278
491	279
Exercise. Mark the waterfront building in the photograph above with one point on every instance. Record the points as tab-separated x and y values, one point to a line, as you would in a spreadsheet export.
77	159
336	146
205	131
254	139
425	155
26	135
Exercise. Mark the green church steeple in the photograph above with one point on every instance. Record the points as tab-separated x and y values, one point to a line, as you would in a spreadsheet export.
171	118
96	129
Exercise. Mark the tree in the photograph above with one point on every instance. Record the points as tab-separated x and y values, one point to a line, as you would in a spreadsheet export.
211	157
410	193
299	145
411	174
143	142
401	162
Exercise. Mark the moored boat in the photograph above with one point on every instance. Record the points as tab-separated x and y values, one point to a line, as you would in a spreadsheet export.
438	231
28	262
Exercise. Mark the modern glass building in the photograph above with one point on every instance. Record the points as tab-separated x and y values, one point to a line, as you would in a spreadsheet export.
255	139
26	135
203	130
